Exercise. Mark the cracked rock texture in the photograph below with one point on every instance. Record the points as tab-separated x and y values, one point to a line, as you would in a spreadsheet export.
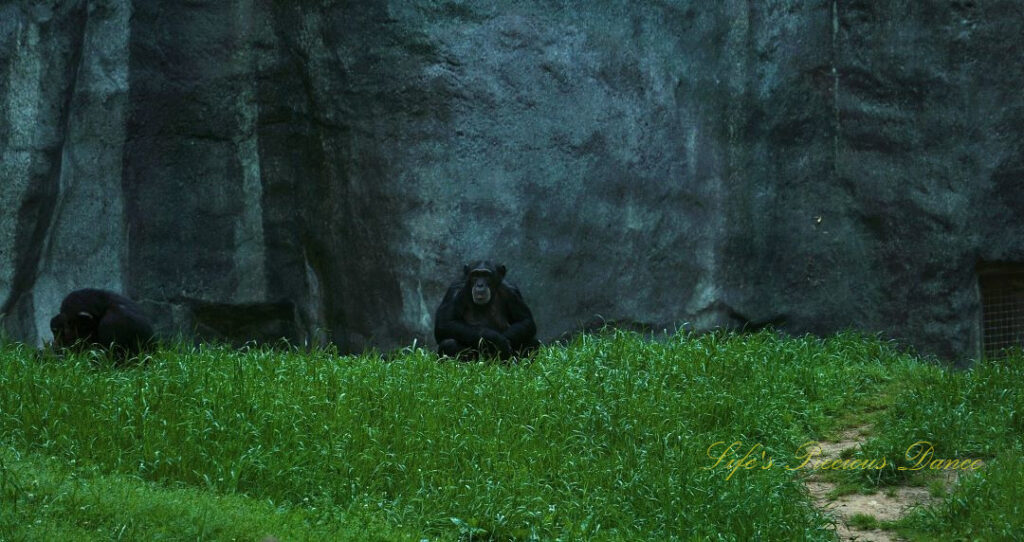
320	171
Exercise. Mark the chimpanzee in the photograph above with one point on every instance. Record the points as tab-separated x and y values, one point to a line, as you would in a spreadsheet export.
99	317
483	314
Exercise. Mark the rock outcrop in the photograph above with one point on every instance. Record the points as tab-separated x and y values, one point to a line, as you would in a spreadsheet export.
250	169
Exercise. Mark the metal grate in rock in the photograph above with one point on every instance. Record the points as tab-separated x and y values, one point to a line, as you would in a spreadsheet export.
1002	308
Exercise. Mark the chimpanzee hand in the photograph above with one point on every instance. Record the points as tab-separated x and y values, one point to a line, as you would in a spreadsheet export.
498	340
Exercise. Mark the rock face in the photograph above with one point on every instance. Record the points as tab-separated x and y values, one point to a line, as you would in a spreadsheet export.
250	169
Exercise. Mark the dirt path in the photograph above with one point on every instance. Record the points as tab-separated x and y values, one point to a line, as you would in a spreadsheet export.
889	505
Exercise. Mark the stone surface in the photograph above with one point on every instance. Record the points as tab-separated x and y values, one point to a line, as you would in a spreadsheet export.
249	169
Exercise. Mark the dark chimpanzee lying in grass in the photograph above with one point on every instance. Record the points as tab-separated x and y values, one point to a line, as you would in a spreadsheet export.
101	318
482	314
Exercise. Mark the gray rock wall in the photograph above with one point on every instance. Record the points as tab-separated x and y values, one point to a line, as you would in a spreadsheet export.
255	169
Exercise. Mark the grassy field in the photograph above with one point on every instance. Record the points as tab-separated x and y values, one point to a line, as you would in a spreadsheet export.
611	437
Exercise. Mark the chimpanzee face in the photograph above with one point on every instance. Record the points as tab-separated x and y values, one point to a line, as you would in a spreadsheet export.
58	325
481	282
482	279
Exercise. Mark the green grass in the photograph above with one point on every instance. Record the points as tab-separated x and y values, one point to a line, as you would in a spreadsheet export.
47	499
605	438
977	414
864	521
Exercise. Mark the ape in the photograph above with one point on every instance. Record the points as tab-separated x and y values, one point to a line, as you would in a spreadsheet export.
103	318
483	314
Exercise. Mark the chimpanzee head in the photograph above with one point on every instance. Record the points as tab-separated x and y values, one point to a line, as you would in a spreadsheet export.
483	279
69	328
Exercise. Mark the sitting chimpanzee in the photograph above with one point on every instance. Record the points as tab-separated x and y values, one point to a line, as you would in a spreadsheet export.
484	314
99	317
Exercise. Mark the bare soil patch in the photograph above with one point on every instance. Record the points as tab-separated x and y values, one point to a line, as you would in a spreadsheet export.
888	505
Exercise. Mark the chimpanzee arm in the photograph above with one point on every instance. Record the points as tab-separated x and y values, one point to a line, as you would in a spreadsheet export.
448	324
521	327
